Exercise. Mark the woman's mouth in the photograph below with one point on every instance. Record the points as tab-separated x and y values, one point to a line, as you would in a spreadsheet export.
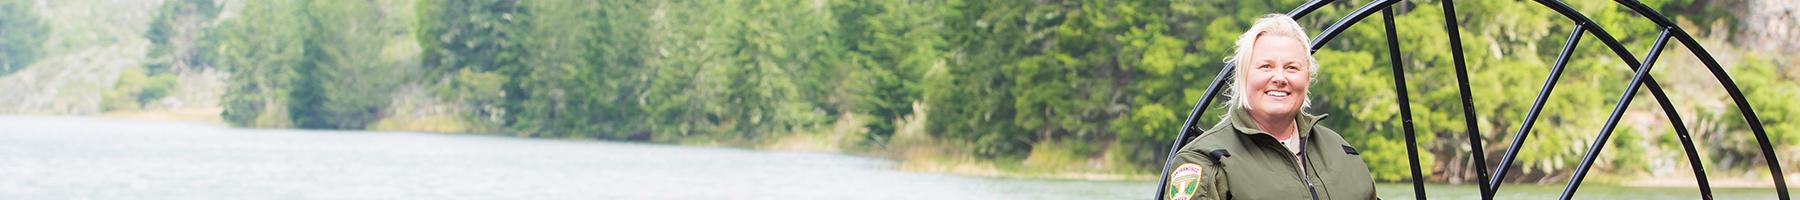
1276	93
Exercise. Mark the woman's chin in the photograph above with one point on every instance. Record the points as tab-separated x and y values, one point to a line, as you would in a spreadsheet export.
1274	110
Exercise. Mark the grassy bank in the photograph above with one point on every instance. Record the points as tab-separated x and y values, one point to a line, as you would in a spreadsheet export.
911	147
915	150
201	115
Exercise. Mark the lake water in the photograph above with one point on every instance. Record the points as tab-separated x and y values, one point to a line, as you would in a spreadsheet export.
90	158
87	158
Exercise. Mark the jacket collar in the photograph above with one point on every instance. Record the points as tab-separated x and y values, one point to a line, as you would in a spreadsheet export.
1240	119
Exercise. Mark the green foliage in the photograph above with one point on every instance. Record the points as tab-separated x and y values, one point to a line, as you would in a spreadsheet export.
895	42
263	51
772	52
340	86
307	64
453	30
22	35
477	89
178	31
135	89
970	101
1770	90
482	35
586	70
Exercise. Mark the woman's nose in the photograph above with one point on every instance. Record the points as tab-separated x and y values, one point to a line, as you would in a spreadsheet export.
1279	79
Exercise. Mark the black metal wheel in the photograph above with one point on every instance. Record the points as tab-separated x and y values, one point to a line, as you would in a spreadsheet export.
1489	181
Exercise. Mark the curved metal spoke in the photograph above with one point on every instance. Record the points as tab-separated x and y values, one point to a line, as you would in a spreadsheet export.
1562	61
1468	104
1308	8
1656	90
1731	89
1612	121
1348	20
1406	122
1187	129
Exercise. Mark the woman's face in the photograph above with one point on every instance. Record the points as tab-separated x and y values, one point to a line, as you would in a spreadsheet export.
1277	77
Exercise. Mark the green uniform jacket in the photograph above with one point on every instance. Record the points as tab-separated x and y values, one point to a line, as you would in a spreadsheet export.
1237	160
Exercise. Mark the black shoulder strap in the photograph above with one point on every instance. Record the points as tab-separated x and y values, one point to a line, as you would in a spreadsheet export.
1217	154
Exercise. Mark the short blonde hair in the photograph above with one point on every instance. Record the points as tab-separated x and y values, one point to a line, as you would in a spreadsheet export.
1271	25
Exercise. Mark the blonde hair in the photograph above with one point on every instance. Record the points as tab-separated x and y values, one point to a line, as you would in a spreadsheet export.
1271	25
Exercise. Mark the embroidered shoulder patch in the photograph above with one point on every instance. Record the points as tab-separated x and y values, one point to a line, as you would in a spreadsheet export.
1184	181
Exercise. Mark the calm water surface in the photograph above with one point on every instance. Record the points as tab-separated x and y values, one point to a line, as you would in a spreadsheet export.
86	158
89	158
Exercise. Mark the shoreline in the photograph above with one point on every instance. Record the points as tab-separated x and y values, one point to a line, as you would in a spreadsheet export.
1688	181
193	115
928	158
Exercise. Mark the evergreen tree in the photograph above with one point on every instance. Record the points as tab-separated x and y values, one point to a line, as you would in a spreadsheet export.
22	35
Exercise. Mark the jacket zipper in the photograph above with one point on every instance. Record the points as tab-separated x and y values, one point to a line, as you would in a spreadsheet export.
1303	171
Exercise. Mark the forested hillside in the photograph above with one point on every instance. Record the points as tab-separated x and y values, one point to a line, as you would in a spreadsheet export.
1064	88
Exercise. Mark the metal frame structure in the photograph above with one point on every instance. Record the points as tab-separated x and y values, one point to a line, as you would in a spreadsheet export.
1489	185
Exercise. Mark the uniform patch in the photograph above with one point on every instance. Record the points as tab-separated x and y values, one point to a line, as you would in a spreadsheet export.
1184	181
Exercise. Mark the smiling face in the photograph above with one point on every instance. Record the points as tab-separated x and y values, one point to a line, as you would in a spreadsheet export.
1277	76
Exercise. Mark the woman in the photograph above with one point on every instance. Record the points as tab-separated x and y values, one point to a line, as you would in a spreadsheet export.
1266	147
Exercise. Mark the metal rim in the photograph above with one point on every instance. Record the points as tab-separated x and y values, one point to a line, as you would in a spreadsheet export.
1489	185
